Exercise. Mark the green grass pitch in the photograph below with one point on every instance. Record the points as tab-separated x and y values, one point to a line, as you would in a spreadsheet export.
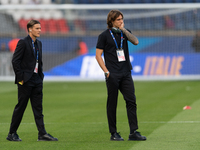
75	113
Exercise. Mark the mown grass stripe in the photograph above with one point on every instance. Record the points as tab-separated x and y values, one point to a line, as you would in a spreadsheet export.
177	134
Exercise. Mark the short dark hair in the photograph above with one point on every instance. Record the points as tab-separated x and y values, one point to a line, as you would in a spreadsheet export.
112	16
31	23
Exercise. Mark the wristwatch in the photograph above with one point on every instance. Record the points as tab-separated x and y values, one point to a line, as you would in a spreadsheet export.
106	73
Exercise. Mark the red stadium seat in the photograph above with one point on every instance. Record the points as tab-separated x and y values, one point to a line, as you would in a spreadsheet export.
62	26
22	23
52	28
43	25
48	25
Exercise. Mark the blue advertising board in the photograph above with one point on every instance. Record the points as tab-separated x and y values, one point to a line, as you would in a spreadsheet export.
86	66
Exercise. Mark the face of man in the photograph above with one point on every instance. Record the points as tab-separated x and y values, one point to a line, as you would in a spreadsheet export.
118	22
35	31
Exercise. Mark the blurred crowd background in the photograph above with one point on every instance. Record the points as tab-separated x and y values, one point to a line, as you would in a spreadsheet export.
68	33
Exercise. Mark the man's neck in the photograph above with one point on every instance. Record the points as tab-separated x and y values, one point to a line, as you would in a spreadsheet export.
33	37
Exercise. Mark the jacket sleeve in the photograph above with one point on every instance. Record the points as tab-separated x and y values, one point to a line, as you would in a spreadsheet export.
17	59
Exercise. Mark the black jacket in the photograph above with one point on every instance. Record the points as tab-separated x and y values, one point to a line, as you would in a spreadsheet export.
24	60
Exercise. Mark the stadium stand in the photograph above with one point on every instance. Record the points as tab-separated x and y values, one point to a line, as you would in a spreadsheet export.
132	1
5	2
59	23
53	18
8	26
61	28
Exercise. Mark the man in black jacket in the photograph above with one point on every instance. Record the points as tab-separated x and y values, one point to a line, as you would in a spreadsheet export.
27	65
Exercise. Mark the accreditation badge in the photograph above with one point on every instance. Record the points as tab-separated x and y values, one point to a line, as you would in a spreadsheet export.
120	55
36	68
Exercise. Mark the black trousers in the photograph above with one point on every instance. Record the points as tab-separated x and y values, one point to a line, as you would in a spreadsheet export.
30	90
124	83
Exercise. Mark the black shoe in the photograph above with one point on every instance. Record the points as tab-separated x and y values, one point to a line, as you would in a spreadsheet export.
136	136
13	137
46	137
116	137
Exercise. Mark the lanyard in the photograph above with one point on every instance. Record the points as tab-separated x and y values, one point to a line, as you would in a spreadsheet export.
34	50
121	45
